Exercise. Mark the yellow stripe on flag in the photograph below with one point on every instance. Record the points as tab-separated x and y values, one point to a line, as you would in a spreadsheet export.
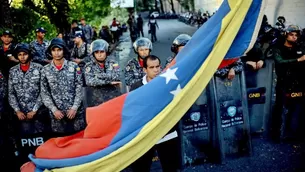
169	116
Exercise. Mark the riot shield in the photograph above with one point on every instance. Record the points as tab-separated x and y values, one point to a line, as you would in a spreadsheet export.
197	131
233	126
94	96
259	90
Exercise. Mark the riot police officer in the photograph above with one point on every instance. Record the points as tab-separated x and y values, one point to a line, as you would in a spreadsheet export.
134	68
24	90
178	44
7	143
61	91
7	60
39	46
101	75
80	53
289	66
25	100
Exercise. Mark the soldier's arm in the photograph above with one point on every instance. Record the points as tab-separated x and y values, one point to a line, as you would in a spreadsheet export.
73	56
222	72
88	54
35	54
279	59
3	87
96	78
237	66
78	91
12	99
129	75
115	72
45	94
38	103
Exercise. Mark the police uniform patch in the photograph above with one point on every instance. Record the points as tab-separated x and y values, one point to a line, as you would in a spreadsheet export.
127	68
88	69
116	66
78	70
71	69
36	72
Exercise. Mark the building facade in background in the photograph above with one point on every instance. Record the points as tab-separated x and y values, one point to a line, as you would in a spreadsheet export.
292	10
168	8
207	5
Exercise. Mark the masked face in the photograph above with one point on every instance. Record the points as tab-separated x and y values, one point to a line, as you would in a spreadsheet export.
143	52
100	56
23	57
57	53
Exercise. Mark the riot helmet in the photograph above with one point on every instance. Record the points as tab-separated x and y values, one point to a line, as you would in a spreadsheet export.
180	40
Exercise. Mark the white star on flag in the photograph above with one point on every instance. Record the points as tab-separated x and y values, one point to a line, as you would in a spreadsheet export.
177	91
170	75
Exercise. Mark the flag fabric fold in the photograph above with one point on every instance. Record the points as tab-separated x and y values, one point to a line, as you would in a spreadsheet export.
123	129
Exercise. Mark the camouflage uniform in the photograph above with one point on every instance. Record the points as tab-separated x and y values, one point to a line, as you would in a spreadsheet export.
88	33
3	89
5	63
62	90
133	72
39	51
237	66
7	142
24	96
82	53
98	80
169	60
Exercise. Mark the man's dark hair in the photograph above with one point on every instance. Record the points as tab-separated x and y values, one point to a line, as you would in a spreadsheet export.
150	57
74	21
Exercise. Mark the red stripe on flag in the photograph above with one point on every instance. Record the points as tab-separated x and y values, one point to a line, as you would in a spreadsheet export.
227	62
104	122
28	167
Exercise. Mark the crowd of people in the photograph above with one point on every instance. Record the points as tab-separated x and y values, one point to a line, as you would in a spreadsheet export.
41	83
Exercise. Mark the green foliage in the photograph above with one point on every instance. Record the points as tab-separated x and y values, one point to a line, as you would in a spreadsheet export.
96	12
120	14
27	15
89	9
24	28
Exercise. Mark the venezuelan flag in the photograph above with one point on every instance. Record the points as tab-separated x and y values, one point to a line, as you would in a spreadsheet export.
123	129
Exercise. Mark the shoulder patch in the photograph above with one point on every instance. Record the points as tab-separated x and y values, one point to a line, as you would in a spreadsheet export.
71	69
36	72
116	66
78	70
127	68
88	69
